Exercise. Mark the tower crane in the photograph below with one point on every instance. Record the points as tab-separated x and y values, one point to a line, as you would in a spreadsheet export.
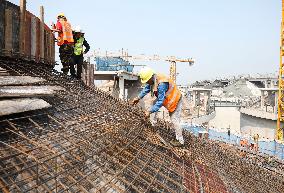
172	59
173	67
280	117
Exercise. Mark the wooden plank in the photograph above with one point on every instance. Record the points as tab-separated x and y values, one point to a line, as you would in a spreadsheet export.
28	35
41	33
8	32
2	26
12	106
3	72
38	40
23	4
18	80
28	91
33	37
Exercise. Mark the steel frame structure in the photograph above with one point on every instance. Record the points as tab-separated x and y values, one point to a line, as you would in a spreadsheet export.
90	141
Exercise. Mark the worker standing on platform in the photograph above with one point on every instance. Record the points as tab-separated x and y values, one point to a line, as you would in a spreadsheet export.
168	95
78	58
65	41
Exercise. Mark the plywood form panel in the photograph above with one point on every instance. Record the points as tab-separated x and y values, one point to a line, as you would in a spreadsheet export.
8	32
33	37
28	35
2	26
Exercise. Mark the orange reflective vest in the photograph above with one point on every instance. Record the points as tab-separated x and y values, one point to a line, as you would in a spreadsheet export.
66	35
172	95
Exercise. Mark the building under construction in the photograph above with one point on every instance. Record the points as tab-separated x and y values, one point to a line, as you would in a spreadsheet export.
89	141
85	140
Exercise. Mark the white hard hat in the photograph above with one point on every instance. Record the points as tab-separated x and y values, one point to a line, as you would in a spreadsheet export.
77	29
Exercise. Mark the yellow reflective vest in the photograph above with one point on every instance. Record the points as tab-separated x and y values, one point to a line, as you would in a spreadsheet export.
78	48
172	95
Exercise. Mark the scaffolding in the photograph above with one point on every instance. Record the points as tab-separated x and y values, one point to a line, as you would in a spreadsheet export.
112	64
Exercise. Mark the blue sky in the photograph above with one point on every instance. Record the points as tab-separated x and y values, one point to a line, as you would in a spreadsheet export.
226	37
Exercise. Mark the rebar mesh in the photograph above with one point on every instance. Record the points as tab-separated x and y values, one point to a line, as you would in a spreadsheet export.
91	142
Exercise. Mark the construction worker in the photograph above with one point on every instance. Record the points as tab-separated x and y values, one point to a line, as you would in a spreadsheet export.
168	95
64	41
77	58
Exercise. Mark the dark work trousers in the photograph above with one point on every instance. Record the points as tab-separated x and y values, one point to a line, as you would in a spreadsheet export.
76	60
65	54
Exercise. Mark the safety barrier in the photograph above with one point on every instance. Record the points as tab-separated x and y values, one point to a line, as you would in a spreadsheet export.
271	148
24	35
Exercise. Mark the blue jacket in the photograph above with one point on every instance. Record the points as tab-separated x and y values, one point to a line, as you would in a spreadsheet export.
161	95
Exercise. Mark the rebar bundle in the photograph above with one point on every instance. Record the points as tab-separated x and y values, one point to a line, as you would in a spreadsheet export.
89	141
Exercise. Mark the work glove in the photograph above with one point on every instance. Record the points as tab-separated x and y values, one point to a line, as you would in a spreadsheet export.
135	101
147	114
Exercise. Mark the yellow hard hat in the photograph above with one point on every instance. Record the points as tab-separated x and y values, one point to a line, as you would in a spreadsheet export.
61	15
145	74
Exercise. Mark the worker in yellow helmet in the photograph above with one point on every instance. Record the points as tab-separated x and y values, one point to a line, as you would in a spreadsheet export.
168	95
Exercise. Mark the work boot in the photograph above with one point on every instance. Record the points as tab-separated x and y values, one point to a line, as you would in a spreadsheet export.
73	76
65	70
176	143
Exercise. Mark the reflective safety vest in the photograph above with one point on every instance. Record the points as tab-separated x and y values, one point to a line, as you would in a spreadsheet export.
172	95
78	48
66	35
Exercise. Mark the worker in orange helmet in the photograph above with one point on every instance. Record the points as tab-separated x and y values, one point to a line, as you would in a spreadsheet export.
168	95
64	41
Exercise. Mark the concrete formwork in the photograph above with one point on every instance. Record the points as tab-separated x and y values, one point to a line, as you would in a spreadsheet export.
23	35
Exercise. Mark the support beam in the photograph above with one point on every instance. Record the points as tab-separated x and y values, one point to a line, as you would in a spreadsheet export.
121	87
262	101
92	68
22	26
41	33
33	37
8	32
193	93
198	98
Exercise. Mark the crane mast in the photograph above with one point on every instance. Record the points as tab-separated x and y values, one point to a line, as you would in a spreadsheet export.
173	71
280	117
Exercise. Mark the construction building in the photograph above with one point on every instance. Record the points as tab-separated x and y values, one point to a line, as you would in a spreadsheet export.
82	139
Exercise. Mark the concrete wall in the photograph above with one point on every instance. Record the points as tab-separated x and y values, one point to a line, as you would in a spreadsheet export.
204	118
254	125
258	113
132	88
34	44
241	122
226	117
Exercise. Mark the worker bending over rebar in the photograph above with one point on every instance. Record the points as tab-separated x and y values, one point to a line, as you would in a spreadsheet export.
168	95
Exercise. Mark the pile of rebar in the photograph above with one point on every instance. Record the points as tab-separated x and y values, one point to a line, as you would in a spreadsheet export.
89	141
